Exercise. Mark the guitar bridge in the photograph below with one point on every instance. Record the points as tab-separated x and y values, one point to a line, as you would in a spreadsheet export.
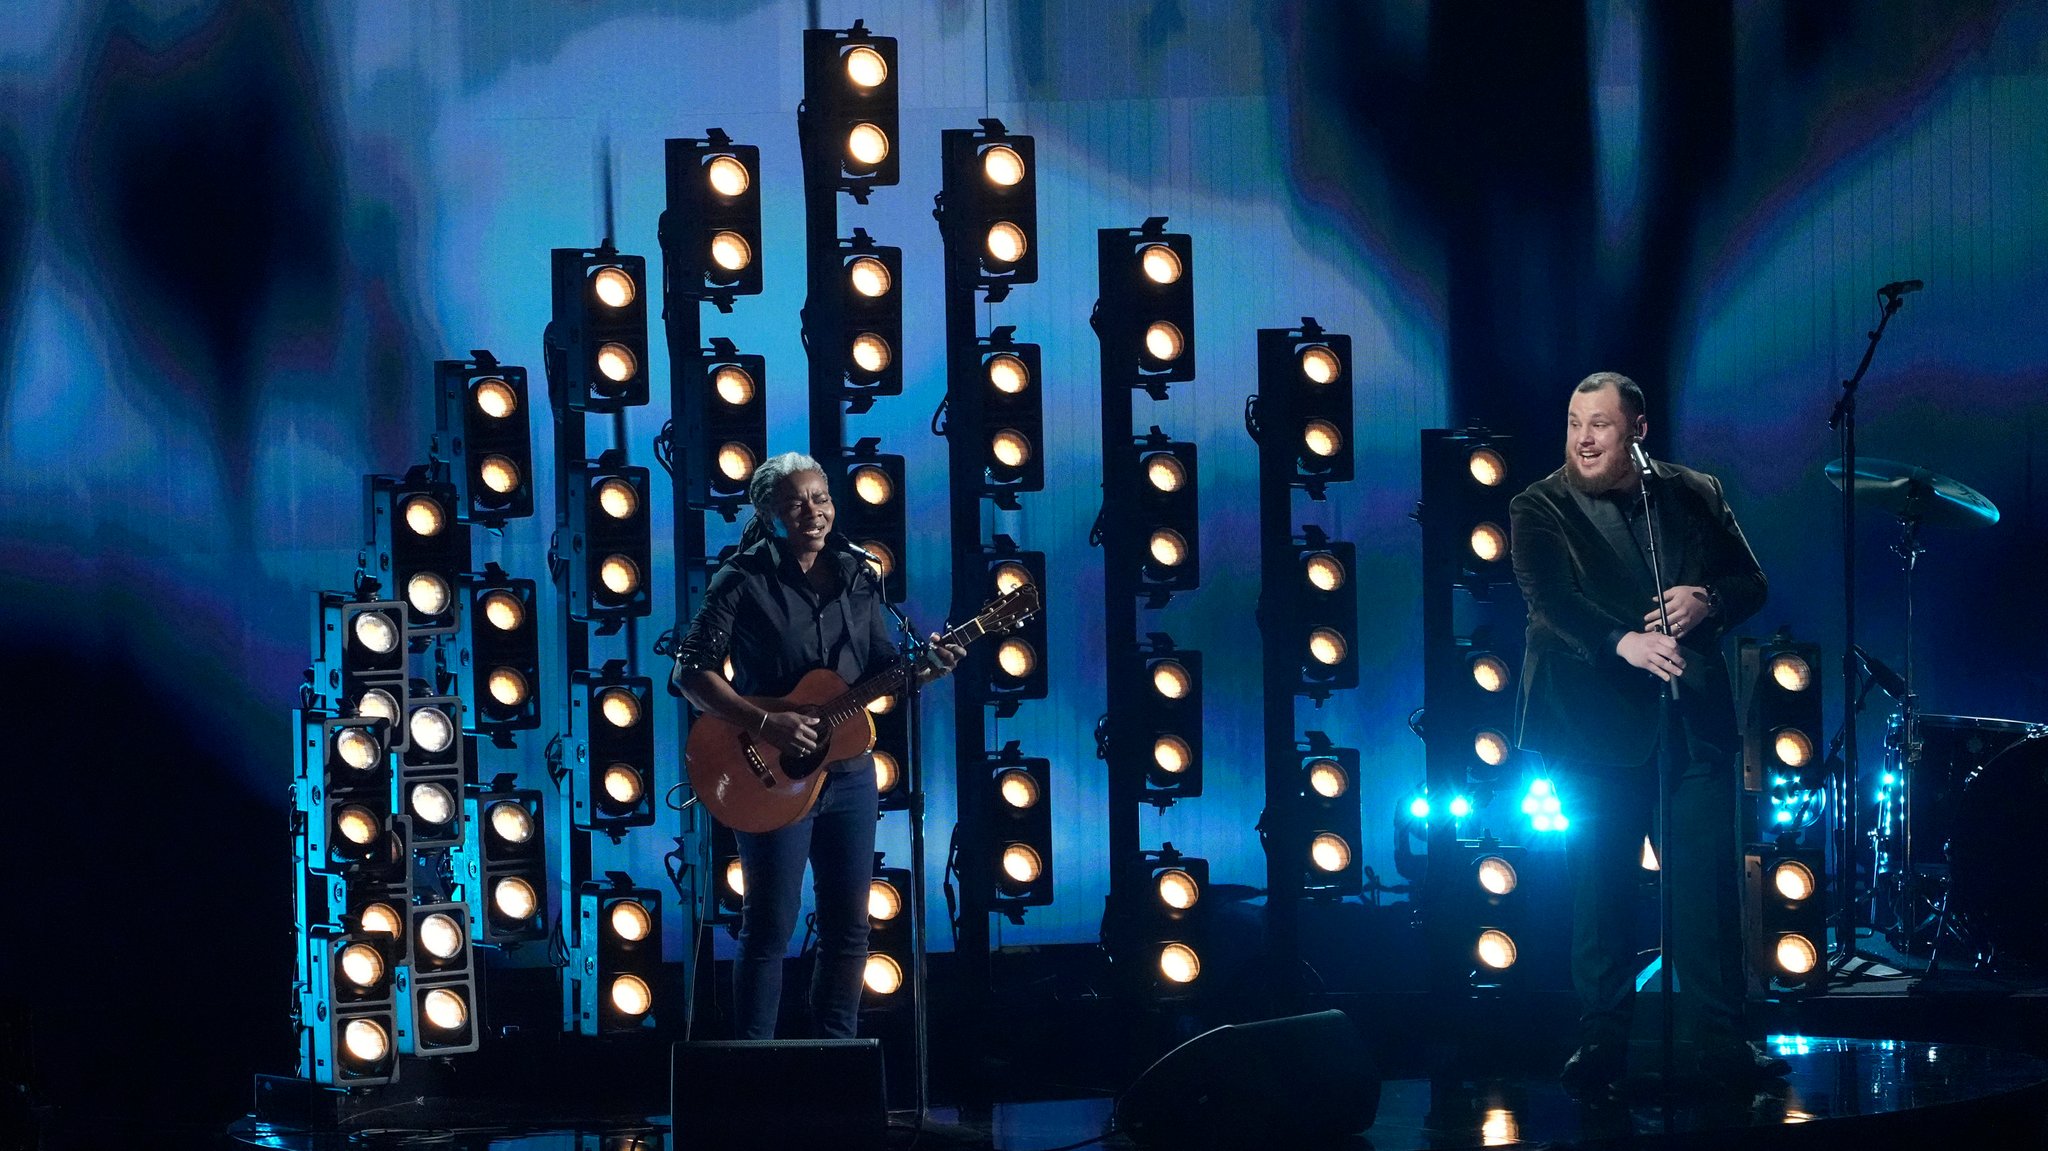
751	752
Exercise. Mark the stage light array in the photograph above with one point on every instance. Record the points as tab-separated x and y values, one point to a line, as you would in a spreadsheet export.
617	992
887	973
1021	797
1779	694
343	788
503	865
432	770
1168	721
498	655
1169	515
360	657
1786	913
1164	931
711	227
872	515
735	415
1331	837
437	994
870	336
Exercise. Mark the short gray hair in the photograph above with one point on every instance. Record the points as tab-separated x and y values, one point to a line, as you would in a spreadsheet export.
771	472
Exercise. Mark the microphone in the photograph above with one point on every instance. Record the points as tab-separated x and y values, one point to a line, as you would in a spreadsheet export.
1897	288
849	546
1641	457
1888	681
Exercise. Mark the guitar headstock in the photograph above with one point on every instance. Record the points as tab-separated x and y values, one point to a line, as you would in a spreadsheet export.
1005	612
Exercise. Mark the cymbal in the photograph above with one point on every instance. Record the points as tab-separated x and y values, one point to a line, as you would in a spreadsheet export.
1915	493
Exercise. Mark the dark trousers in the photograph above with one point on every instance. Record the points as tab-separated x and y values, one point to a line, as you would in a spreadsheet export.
838	840
1611	811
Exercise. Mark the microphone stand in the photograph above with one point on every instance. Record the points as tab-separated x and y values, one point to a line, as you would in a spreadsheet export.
1667	1008
913	779
1843	420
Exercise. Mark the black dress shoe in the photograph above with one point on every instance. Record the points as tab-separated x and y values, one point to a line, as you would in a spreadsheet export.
1743	1063
1594	1068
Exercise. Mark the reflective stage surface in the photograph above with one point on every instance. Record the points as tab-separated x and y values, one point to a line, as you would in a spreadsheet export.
1841	1093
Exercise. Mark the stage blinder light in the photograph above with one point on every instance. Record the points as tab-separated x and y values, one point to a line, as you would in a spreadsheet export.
619	953
710	227
419	542
498	657
1780	702
1170	721
610	540
889	937
872	302
1161	932
432	769
1013	417
1169	514
1018	671
360	657
1326	611
505	856
343	785
875	516
735	421
435	1004
989	207
481	427
1022	832
612	734
1149	282
600	328
1328	823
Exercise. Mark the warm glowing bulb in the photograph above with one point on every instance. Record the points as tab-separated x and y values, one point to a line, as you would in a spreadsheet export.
1489	543
622	785
1491	747
503	610
1165	472
356	747
1021	863
618	498
1018	788
873	485
1007	373
884	563
1178	963
1172	754
432	803
1010	576
619	575
431	729
617	363
1177	889
498	473
377	704
1496	875
356	824
731	252
867	145
494	397
515	899
1167	547
1163	341
735	461
424	516
735	877
869	277
366	1041
444	1009
427	592
1319	365
1489	672
865	66
1793	747
1796	954
621	708
1160	263
1329	853
361	964
1171	679
379	919
1010	448
441	936
630	921
614	287
728	176
1327	647
631	996
1496	949
1487	467
1322	439
507	687
887	772
871	353
510	821
1016	658
1327	778
1006	243
1324	571
882	704
376	632
1001	164
884	901
882	975
1791	672
734	385
1793	880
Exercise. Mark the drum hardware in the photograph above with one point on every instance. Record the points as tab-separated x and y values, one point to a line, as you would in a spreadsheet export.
1909	886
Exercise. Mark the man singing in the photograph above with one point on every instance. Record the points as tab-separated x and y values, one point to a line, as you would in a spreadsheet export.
1594	705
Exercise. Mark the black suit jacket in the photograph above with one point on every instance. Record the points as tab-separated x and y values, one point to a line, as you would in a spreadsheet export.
1580	702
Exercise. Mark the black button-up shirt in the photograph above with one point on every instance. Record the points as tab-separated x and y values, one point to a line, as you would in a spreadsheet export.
761	611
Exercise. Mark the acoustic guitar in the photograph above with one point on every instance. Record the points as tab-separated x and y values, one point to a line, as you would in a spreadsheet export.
751	785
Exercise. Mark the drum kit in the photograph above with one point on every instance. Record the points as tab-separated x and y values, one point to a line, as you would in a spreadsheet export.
1950	848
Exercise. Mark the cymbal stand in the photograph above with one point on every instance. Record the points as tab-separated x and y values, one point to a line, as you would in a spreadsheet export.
1843	420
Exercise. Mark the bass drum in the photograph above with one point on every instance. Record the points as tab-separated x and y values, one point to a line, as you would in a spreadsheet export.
1996	896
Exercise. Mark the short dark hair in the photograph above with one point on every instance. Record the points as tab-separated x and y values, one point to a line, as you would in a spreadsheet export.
1631	395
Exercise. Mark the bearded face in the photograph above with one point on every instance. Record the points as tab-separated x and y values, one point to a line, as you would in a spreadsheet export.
1596	439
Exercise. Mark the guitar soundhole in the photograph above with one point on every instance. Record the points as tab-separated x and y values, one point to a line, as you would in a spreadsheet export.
801	766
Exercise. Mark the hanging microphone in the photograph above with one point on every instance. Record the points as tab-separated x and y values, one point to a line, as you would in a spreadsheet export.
1641	457
855	548
1897	288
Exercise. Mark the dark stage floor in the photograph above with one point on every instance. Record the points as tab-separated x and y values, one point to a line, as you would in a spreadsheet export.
1842	1093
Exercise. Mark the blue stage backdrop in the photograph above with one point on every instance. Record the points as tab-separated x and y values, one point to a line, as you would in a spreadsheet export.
235	235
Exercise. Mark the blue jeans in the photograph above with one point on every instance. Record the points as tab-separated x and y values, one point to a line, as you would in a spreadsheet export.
837	837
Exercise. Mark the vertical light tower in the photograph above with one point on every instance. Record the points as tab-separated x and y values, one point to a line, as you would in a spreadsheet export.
853	308
1149	529
596	357
988	219
711	250
1308	619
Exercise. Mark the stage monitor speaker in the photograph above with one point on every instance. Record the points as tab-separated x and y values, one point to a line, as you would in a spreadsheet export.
779	1094
1276	1083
